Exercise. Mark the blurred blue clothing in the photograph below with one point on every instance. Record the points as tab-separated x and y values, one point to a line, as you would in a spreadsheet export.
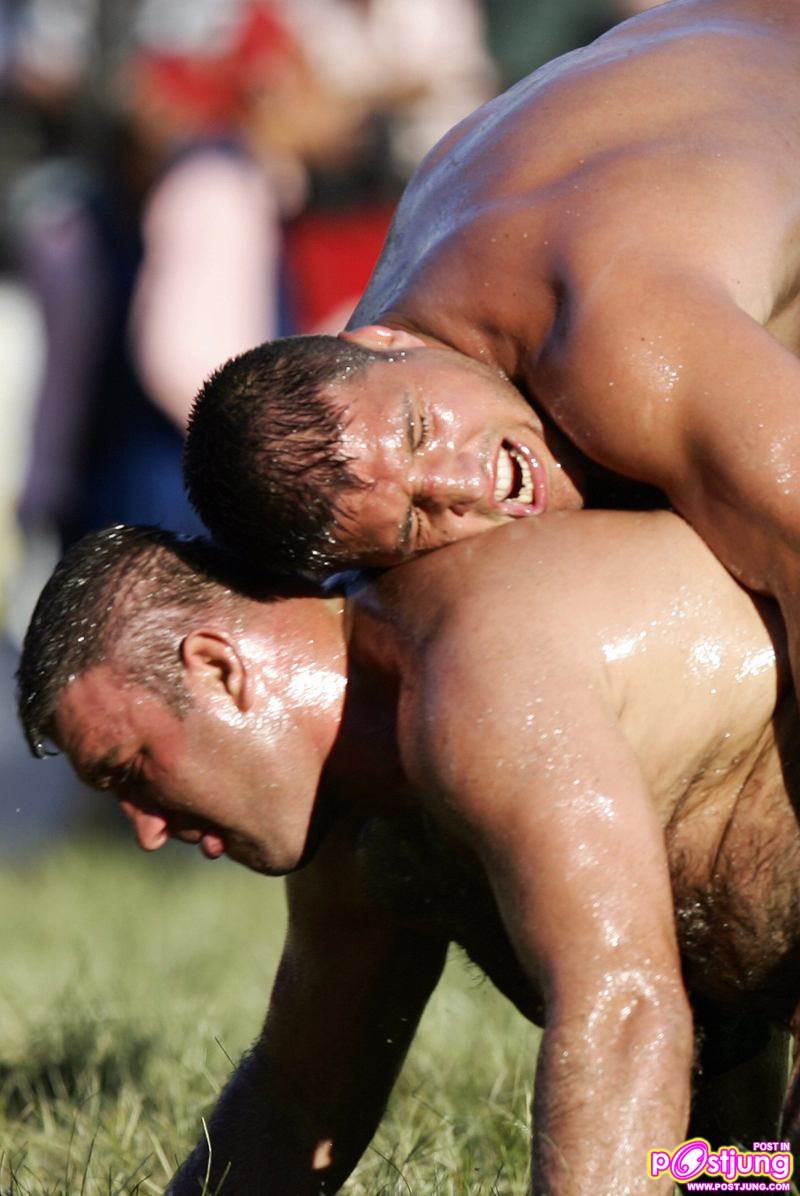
102	452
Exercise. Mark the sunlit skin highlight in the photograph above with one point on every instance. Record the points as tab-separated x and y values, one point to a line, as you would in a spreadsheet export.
554	785
246	713
426	431
616	237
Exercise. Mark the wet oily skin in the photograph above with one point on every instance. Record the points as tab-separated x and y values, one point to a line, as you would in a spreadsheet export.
544	721
721	794
439	458
572	238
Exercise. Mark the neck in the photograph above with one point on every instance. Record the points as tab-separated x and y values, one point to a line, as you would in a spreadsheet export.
364	765
301	649
316	643
497	352
509	337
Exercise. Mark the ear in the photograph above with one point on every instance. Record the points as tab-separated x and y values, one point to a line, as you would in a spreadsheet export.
213	662
378	336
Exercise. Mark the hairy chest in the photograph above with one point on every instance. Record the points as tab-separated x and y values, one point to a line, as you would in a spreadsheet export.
737	890
736	885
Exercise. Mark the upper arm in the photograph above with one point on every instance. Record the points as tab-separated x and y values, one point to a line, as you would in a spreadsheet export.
739	485
671	383
526	759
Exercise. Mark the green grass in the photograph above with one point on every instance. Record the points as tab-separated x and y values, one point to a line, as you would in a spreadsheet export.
128	982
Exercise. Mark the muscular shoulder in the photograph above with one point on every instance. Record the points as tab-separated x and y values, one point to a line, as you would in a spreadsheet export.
551	600
552	588
616	619
553	566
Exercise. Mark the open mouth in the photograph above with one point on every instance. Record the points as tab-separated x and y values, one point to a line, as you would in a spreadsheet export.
520	480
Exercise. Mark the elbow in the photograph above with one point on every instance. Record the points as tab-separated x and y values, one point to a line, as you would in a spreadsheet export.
628	1015
654	1026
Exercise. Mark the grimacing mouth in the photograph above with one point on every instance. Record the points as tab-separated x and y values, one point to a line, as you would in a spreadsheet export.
519	480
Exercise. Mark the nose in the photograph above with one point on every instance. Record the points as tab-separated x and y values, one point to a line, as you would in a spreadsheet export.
451	481
150	829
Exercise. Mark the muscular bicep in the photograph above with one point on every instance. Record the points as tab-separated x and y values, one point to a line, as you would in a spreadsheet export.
739	482
668	381
530	765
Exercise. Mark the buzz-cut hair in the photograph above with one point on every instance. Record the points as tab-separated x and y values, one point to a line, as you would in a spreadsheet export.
121	594
264	464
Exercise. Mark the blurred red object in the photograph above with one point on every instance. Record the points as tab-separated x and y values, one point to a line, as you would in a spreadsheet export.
212	91
330	256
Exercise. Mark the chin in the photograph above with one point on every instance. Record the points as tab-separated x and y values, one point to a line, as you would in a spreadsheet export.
272	857
259	858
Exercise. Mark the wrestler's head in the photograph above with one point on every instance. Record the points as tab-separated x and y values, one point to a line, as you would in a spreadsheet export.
320	453
207	706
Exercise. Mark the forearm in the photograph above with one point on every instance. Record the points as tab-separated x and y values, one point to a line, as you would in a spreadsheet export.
268	1138
605	1096
303	1106
574	851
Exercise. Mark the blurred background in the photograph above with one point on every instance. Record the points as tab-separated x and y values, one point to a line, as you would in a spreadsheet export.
179	180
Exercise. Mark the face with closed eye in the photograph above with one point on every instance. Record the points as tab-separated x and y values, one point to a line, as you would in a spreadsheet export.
446	448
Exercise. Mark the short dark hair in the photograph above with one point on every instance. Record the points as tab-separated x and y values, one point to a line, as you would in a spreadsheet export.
263	461
120	592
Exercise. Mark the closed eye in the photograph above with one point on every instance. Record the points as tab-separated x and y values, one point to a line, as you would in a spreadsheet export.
125	774
119	776
417	424
412	539
423	430
100	773
405	539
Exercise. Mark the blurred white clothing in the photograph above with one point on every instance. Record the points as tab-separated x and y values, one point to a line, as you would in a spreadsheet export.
208	285
198	27
22	351
433	51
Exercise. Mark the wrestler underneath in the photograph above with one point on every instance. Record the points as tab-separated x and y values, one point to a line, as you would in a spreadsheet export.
580	767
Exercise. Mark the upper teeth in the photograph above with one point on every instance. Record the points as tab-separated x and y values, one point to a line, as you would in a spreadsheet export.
506	474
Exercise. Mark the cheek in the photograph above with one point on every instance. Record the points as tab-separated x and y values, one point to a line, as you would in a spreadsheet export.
462	422
448	423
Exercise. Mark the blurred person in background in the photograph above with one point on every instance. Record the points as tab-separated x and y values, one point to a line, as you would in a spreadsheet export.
278	114
139	227
56	135
422	64
74	212
417	66
154	153
312	110
236	124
